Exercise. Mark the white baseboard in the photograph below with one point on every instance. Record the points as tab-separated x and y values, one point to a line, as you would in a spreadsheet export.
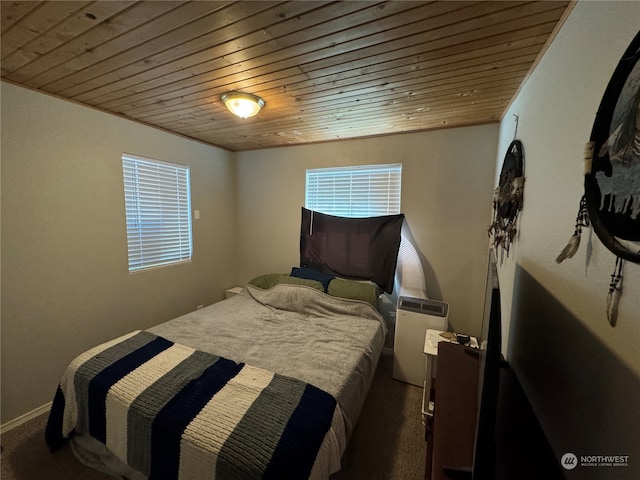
16	422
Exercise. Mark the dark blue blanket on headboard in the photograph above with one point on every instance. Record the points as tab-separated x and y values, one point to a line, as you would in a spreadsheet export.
358	248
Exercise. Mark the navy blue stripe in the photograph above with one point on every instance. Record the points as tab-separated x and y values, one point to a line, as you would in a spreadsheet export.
177	414
99	386
301	440
94	365
259	430
144	409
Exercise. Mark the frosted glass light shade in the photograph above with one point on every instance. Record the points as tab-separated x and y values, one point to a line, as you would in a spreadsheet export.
244	105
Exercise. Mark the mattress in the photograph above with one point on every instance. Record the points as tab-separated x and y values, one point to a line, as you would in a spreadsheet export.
291	332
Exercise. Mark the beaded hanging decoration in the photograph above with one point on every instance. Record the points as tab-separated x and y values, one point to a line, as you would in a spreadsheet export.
508	198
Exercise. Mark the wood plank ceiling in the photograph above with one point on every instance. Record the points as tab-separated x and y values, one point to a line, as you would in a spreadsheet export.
326	70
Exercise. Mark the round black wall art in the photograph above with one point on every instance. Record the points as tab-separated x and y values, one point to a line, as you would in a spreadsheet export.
612	174
507	197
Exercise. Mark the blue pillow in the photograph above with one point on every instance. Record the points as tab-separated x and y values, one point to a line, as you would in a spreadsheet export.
311	274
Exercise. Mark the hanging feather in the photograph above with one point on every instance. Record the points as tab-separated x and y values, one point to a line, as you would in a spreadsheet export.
615	292
582	220
570	249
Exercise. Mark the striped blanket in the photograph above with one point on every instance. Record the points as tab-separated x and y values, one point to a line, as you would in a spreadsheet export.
170	411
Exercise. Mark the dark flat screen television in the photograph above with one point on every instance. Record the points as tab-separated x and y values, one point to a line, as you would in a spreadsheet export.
488	377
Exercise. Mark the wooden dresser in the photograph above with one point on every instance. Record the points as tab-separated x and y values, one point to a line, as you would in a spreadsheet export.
451	432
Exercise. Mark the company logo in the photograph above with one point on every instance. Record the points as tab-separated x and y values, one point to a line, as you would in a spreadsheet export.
569	461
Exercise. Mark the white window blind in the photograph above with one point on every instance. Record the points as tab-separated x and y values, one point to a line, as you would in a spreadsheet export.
158	205
359	191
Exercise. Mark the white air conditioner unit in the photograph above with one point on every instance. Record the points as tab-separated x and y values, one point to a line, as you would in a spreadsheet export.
414	316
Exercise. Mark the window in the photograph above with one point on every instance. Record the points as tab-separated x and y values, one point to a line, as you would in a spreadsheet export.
158	205
357	191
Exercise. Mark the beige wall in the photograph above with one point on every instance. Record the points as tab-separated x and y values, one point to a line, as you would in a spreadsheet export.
556	111
65	283
581	375
447	183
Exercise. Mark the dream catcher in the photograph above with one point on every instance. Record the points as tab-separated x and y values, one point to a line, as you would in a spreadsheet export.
507	198
611	200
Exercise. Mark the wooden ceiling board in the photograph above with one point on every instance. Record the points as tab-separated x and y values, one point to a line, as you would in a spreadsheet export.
506	40
200	63
185	98
12	12
71	27
385	99
41	19
407	84
115	58
230	61
327	70
39	71
418	101
184	89
359	114
366	127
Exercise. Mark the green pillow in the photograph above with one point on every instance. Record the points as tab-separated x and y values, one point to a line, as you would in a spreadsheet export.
271	279
354	290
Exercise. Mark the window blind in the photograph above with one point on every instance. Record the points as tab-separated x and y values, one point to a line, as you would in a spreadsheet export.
158	205
357	191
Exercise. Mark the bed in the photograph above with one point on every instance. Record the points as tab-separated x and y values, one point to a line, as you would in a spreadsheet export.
266	384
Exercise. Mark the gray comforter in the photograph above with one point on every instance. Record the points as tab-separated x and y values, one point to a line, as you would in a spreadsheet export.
295	331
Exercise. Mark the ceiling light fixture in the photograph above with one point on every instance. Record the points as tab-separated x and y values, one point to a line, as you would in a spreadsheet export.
244	105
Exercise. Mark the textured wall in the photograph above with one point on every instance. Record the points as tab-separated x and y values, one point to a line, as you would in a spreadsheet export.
65	280
581	375
556	110
447	179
